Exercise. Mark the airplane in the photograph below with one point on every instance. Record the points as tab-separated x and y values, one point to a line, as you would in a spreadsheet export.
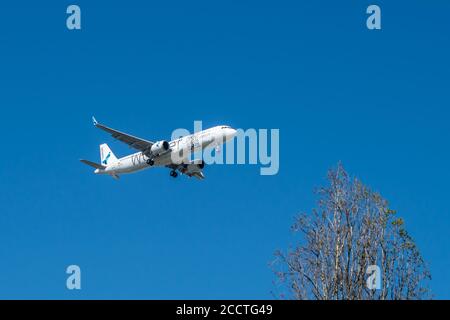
174	154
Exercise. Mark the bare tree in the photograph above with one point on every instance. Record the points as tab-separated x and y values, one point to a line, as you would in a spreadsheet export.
351	229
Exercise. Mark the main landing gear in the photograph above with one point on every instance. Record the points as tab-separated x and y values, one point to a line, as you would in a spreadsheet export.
150	162
173	174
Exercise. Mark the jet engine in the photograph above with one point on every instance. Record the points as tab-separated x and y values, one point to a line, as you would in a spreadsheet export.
159	147
192	167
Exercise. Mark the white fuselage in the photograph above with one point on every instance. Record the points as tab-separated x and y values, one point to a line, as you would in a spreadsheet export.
185	146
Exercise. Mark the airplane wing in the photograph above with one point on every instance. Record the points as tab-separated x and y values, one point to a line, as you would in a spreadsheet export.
132	141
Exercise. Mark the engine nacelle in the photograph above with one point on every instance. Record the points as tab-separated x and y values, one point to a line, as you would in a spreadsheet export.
159	147
193	167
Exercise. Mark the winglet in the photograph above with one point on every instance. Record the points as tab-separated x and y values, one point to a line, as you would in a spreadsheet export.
94	121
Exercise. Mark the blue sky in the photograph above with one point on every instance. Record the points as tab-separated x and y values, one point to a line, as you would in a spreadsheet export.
376	100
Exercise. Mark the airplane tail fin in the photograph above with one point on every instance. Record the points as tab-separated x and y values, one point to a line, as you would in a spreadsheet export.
106	155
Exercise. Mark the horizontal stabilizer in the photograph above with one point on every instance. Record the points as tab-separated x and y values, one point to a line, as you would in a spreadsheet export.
93	164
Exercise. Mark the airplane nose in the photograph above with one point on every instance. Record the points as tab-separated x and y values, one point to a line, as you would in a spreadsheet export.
231	133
